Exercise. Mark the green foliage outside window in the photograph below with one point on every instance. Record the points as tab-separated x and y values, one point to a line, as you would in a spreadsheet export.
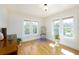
57	37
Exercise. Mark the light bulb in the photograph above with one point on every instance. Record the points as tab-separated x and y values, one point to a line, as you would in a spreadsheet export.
45	7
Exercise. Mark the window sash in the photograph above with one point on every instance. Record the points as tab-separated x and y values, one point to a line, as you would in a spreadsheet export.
56	25
62	33
30	28
34	27
26	27
68	27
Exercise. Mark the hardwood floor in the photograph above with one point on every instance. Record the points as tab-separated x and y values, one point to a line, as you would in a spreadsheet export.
37	47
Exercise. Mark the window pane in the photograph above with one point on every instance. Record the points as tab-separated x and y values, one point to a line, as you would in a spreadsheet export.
68	27
26	27
56	29
34	26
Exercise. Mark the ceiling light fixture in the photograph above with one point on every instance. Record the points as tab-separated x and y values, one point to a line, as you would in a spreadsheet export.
45	7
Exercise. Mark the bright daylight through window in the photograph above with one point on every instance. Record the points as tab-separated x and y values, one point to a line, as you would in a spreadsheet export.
56	29
67	30
30	27
26	27
68	27
34	27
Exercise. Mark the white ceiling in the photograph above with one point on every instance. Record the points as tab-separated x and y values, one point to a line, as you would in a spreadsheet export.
37	9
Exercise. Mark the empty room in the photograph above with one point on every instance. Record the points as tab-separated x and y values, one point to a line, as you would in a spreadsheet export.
39	29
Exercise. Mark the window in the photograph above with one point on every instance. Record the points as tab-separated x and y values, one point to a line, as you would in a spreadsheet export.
30	27
34	27
64	28
68	27
26	27
56	29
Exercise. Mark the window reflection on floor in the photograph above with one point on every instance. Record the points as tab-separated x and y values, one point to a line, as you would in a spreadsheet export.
66	52
51	45
63	51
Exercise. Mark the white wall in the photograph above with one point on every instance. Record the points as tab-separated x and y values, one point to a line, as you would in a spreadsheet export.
3	16
14	22
15	25
73	43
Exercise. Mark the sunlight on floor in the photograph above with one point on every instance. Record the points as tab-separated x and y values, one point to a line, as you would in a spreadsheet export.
52	45
66	52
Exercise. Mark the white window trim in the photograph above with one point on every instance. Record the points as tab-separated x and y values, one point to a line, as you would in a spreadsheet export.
61	28
53	28
65	37
31	33
23	29
37	28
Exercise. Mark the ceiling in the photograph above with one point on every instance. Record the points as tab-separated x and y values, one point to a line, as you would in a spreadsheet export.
37	10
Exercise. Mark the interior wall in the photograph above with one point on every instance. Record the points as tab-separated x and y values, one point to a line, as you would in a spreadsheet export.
14	22
73	43
15	25
3	16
